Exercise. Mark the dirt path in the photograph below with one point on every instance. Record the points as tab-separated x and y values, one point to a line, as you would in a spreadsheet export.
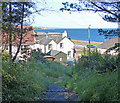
57	93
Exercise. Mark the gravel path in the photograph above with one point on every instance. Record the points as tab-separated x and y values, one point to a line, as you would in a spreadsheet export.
57	93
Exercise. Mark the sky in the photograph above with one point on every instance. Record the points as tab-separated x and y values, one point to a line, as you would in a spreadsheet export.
54	18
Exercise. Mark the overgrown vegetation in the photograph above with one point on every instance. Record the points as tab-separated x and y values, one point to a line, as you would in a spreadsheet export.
25	81
94	78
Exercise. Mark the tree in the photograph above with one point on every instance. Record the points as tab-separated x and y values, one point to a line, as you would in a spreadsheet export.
15	16
14	13
110	11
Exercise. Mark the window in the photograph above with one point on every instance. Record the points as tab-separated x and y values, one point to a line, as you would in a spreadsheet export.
69	53
61	45
60	59
50	46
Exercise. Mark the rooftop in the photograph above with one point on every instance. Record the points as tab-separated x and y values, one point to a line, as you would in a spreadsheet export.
53	52
45	41
109	43
28	36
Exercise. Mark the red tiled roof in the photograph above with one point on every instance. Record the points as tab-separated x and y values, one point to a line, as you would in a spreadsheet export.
28	37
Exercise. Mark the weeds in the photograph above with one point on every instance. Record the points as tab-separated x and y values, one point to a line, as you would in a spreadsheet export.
25	81
95	78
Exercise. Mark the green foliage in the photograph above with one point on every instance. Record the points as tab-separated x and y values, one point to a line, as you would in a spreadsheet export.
99	62
94	78
86	43
92	86
25	81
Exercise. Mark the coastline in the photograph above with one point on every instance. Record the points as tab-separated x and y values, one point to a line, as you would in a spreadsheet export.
82	41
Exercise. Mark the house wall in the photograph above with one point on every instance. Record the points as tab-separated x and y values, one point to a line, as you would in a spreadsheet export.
101	51
53	46
61	55
113	52
0	47
37	46
49	58
14	50
67	46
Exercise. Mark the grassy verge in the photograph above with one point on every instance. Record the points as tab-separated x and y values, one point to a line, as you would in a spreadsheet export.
86	43
94	78
84	53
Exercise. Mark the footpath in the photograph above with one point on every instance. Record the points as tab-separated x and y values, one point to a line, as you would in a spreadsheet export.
56	93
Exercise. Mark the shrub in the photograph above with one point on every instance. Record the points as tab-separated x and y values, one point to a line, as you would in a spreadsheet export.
95	78
25	81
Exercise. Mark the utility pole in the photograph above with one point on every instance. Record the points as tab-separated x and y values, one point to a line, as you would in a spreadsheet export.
89	38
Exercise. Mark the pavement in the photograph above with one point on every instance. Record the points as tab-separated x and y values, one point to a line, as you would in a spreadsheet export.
56	94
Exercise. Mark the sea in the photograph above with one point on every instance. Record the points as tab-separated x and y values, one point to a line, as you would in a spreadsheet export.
78	34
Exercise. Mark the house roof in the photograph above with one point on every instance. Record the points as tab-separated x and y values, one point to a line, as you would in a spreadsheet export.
45	41
57	39
48	56
40	33
28	36
43	37
47	37
54	33
54	52
109	43
40	36
63	38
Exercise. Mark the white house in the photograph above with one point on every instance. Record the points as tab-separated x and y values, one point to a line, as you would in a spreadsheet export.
42	41
27	41
67	46
55	41
102	48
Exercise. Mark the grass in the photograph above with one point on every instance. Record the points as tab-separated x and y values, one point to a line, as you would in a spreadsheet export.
25	81
86	53
91	85
86	43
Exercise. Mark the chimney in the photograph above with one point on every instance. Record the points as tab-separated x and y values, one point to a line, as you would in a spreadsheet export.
46	35
64	34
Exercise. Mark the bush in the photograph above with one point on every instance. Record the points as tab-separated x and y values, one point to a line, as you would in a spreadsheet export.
95	78
25	81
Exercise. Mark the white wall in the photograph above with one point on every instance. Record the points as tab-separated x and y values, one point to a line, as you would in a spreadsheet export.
68	45
37	46
54	45
113	52
101	51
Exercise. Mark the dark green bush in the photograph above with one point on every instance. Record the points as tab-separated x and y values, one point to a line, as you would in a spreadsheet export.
25	81
95	78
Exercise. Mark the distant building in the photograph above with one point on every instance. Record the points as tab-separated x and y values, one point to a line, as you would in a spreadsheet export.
55	41
58	56
102	48
48	57
27	41
42	41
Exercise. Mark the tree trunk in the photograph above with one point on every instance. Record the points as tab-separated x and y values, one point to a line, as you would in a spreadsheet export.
10	31
20	35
